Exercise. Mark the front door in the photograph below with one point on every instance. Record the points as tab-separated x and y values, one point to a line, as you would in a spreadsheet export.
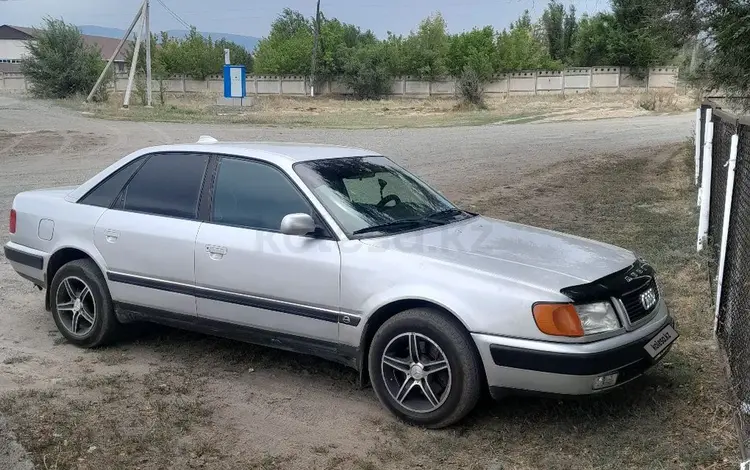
248	273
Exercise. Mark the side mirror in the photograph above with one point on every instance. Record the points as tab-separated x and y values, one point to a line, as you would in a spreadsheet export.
297	224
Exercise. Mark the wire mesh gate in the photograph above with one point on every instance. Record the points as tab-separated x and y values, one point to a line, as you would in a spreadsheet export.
729	241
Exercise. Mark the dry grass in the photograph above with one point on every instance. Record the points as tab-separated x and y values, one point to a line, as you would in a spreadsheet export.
325	112
678	416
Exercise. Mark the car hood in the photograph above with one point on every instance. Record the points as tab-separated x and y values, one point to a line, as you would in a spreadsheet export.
530	255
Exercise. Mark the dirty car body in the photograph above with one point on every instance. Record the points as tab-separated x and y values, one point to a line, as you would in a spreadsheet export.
340	253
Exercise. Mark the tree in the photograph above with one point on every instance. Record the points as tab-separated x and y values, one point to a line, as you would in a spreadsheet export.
523	22
643	33
521	49
477	50
288	48
366	71
59	63
336	40
424	52
728	29
553	19
570	29
593	40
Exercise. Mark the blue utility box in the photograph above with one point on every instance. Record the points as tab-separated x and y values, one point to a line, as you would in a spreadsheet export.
235	85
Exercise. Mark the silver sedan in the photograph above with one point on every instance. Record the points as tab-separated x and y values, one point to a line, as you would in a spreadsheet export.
340	253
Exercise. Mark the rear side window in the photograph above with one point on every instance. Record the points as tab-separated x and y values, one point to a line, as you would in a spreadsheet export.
167	184
106	192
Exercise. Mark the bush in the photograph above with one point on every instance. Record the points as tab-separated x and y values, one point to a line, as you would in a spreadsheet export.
470	88
60	64
658	101
366	72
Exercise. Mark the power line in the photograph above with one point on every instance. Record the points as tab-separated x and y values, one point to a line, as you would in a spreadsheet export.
174	15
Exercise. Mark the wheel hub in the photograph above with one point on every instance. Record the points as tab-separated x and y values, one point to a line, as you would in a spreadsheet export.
77	306
416	371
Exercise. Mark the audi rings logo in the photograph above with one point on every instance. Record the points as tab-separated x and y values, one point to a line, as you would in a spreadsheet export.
648	299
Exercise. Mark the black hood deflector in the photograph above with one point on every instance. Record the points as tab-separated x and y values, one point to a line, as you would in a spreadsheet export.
616	284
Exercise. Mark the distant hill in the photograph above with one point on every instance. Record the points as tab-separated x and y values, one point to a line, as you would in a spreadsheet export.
249	42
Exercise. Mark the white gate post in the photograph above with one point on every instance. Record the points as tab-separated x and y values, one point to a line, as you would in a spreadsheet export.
709	114
697	144
705	192
725	226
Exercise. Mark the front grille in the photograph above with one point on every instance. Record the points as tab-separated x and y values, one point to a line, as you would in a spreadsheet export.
632	301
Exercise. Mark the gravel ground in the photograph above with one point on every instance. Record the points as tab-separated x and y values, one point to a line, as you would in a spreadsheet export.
42	145
458	160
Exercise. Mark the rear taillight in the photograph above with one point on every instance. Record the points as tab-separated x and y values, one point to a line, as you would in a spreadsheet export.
12	222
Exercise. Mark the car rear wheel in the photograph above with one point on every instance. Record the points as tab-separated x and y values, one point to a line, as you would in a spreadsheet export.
424	369
81	304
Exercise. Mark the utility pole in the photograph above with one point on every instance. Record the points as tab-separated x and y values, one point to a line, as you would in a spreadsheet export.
147	20
134	65
117	51
315	49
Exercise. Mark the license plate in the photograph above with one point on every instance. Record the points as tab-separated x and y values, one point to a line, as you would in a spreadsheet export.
661	341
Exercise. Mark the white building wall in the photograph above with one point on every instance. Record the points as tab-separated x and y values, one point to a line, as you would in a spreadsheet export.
12	49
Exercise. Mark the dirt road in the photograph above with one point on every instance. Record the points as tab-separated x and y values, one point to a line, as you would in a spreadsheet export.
458	160
234	402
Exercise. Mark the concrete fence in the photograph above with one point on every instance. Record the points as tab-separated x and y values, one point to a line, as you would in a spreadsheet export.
535	82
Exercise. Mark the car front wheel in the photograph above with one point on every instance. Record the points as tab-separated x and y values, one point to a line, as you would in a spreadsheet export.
424	369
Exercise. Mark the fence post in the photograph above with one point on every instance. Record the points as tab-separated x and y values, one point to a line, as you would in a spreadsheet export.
697	144
618	88
536	81
704	122
591	79
725	226
562	82
706	185
507	84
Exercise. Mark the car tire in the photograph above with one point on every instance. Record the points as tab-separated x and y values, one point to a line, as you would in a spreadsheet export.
437	397
81	304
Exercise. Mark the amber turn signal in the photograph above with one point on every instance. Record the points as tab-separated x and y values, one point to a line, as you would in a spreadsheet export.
558	319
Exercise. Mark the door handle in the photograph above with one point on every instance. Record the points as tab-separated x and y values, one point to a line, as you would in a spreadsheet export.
215	251
111	235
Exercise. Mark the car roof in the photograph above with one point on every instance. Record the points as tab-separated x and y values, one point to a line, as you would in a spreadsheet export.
281	154
274	152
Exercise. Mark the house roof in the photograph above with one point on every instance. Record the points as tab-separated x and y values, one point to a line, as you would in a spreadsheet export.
14	33
106	45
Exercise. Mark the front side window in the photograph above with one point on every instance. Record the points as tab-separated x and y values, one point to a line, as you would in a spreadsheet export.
168	184
368	195
254	195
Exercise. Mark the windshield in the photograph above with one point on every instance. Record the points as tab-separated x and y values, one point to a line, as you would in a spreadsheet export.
373	195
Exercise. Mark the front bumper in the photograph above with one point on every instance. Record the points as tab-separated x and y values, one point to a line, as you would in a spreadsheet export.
513	364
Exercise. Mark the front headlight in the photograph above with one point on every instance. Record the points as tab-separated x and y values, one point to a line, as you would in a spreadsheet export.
575	320
597	317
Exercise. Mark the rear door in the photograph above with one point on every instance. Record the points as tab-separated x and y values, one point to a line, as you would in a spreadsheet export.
147	237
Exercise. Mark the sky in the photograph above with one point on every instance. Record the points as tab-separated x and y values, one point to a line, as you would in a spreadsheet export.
253	18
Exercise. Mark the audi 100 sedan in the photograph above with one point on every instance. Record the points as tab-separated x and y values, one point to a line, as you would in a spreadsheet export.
340	253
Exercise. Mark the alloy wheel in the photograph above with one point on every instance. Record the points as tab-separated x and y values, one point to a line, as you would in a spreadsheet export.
76	306
416	372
